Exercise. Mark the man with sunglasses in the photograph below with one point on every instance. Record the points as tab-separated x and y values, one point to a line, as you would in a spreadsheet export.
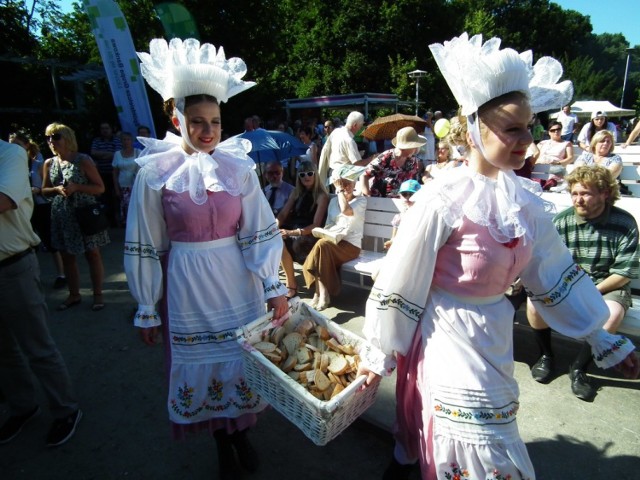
277	191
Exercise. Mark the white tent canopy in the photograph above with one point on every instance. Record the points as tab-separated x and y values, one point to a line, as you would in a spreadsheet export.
583	109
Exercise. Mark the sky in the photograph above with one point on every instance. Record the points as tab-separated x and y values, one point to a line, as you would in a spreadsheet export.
616	16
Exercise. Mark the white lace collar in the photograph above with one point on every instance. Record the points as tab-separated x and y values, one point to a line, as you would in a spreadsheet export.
504	205
167	165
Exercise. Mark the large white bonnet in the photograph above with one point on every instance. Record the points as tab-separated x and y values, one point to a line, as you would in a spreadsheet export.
182	68
477	73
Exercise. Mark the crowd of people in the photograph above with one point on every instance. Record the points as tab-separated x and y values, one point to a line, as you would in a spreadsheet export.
206	239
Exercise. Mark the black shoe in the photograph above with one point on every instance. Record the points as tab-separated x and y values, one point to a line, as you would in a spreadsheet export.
62	429
580	385
247	455
398	471
14	425
542	369
59	282
227	467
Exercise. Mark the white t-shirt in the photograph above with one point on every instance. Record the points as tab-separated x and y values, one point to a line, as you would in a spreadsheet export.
127	168
567	121
16	233
582	136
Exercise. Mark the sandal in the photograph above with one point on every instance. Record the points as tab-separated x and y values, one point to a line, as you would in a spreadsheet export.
68	303
97	303
289	294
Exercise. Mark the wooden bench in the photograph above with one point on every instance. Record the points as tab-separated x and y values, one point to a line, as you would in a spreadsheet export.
630	175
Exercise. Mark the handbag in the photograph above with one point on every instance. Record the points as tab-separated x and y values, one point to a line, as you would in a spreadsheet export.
92	218
333	234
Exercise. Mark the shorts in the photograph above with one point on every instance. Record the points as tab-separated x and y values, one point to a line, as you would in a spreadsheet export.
621	296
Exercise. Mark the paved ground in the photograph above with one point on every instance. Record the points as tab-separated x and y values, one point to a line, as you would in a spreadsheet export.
124	433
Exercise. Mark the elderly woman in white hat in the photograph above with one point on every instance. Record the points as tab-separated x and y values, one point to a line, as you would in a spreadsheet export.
203	244
447	324
340	240
387	171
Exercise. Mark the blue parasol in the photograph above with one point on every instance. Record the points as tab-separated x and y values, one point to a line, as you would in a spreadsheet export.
267	145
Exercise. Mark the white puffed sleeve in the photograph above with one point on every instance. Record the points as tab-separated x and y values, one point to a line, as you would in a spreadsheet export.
146	241
399	295
566	298
259	237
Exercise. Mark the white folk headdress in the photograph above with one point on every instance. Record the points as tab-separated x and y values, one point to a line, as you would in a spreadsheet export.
477	73
182	68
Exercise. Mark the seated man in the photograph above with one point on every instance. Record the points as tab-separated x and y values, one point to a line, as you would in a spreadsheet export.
277	191
603	240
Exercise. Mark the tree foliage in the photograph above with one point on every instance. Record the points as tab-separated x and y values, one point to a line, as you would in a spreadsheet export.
298	49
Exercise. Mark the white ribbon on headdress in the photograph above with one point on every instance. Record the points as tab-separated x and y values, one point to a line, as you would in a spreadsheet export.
473	127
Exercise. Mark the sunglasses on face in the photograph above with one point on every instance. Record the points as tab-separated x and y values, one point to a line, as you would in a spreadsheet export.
306	174
55	136
274	172
555	129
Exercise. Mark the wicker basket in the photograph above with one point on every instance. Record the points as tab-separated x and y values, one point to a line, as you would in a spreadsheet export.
321	421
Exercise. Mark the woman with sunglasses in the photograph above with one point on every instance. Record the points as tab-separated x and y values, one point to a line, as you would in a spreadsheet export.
73	181
555	152
305	210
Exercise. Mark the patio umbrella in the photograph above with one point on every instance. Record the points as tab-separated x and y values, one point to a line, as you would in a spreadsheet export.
385	128
267	145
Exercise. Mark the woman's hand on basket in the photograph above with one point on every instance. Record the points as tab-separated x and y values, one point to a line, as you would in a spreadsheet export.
149	335
279	305
371	377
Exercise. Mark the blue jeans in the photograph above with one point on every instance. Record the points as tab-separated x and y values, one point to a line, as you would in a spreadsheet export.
26	346
567	137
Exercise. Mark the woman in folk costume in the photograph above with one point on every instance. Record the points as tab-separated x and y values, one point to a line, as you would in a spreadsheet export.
438	308
202	237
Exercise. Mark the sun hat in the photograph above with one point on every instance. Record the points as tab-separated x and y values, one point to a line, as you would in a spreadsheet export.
346	172
411	186
407	138
598	114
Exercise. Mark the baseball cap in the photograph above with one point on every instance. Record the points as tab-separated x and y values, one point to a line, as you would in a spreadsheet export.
411	186
597	114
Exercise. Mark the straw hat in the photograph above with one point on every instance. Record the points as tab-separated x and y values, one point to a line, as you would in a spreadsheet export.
407	138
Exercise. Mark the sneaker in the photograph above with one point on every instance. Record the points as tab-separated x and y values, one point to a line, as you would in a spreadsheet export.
59	282
14	425
62	429
542	369
580	385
